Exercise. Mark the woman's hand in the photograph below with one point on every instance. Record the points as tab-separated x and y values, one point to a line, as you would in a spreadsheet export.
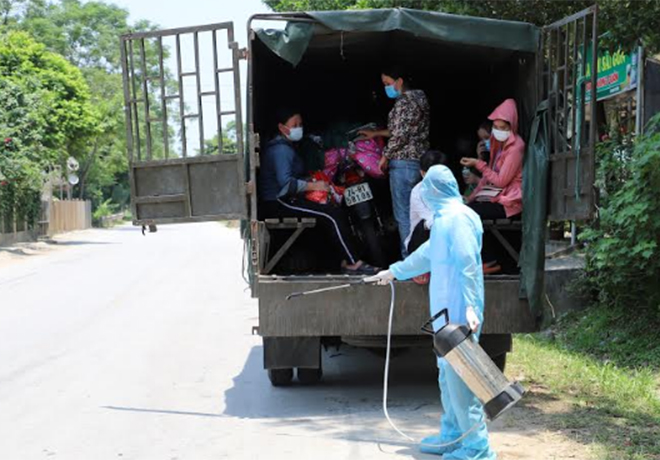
469	162
382	164
371	133
368	133
319	186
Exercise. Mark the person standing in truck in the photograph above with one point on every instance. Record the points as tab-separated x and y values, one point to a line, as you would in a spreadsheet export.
282	188
408	128
452	255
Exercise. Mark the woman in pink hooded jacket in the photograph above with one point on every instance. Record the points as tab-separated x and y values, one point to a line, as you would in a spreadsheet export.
499	193
505	169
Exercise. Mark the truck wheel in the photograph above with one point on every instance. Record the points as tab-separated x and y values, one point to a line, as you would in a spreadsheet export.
280	377
308	376
500	361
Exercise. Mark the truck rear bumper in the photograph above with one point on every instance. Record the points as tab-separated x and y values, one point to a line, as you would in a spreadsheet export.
363	310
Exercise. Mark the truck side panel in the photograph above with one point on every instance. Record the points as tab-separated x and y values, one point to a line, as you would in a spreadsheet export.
364	310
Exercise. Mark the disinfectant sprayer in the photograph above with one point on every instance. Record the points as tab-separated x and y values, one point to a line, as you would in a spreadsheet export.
457	344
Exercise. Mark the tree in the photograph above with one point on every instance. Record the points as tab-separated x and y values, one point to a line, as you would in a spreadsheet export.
628	22
87	35
10	10
44	108
228	141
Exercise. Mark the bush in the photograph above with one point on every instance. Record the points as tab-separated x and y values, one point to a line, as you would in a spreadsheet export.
105	209
623	253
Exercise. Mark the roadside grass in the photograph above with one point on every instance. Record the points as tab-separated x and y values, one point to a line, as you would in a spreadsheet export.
604	369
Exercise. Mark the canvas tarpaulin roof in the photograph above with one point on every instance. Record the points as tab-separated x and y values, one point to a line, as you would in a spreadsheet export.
292	42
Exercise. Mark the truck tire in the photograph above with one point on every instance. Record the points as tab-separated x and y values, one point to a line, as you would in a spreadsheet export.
372	242
280	377
308	376
500	361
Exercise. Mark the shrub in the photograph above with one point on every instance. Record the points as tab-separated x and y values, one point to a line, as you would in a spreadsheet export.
623	253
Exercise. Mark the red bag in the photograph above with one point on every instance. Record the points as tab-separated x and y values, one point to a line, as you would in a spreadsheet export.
336	194
318	196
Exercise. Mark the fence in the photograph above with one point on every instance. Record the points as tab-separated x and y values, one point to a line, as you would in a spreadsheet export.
56	217
69	215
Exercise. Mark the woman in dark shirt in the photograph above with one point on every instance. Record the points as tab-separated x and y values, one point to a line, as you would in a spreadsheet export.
282	185
408	132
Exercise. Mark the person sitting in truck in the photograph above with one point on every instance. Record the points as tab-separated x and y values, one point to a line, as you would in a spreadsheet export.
483	147
282	187
408	129
421	216
499	192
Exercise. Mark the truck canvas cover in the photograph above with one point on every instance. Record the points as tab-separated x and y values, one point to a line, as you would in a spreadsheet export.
290	44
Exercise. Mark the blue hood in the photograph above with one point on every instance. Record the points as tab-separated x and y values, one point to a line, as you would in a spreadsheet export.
440	189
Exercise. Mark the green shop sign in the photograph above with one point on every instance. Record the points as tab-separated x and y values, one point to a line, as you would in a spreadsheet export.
617	73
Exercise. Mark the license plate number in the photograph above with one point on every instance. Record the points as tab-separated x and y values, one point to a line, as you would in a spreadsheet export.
358	194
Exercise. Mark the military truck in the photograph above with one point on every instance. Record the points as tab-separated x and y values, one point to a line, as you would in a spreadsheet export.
331	62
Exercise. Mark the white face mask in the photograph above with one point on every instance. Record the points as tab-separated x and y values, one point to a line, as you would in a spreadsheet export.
501	135
295	134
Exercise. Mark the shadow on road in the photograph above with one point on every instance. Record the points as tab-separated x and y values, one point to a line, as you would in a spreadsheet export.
347	403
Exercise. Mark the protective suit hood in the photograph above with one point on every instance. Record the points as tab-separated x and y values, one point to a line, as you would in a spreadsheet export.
439	189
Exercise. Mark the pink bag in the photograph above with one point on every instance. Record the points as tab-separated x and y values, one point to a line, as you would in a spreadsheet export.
333	159
367	154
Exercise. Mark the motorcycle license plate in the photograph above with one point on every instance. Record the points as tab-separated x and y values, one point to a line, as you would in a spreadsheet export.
358	194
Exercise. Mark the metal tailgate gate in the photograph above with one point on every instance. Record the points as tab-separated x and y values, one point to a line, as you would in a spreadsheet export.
172	182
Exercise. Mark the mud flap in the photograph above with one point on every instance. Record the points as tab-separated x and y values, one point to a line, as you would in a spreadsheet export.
290	352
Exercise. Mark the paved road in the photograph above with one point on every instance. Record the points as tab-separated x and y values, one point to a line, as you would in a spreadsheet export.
119	346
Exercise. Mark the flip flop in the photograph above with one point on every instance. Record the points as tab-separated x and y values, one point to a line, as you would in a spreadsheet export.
422	279
491	270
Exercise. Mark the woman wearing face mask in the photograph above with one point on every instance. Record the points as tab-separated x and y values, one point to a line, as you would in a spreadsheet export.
282	187
408	132
504	171
499	192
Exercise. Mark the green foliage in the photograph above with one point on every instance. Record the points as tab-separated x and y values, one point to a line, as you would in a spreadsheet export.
50	93
627	21
228	141
44	107
104	209
614	157
624	246
86	34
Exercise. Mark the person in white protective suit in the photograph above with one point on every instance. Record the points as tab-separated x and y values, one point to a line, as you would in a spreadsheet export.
452	255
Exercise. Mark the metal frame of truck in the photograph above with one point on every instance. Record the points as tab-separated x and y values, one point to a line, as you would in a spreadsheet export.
188	188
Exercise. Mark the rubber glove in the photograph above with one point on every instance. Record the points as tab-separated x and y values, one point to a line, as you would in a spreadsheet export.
472	319
381	278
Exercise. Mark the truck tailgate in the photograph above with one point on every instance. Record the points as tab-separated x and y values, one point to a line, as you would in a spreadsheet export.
364	310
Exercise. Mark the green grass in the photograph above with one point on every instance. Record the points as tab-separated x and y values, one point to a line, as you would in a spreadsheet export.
605	369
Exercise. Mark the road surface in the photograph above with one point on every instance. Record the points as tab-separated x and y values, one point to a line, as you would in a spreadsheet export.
119	346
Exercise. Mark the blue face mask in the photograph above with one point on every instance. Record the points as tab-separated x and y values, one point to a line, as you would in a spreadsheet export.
295	134
391	92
